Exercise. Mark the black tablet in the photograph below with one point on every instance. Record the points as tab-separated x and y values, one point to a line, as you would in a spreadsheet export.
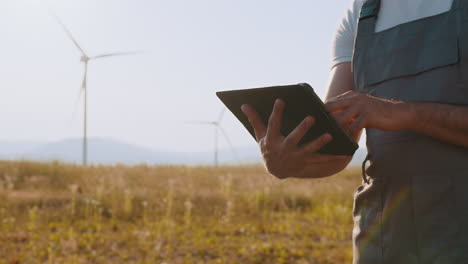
301	101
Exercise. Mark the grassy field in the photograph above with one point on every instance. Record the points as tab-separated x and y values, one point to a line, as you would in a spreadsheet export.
56	213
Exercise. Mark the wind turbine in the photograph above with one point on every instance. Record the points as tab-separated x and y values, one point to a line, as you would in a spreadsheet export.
85	59
216	124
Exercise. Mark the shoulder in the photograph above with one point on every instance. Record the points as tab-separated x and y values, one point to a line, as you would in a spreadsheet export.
351	16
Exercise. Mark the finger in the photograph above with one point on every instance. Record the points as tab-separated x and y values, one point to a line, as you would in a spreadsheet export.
348	115
274	122
299	132
337	105
255	121
317	144
357	125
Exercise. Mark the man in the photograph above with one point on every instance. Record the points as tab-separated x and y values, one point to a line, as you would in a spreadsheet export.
403	76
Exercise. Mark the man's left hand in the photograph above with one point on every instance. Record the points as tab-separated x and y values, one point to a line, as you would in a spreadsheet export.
356	111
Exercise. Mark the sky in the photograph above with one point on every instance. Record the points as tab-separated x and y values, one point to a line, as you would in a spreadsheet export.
190	50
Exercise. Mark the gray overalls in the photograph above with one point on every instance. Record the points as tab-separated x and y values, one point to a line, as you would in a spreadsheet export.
412	206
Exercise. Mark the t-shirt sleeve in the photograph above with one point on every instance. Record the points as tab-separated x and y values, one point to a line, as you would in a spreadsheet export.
343	41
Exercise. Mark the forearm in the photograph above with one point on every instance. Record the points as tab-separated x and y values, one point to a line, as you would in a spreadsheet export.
448	123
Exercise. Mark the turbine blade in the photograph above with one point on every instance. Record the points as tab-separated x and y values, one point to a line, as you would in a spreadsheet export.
221	115
65	29
236	156
234	152
107	55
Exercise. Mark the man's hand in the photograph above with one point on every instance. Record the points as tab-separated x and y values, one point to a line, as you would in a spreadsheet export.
356	111
282	156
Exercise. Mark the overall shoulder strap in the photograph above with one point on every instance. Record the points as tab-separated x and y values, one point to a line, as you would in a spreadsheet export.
365	30
370	9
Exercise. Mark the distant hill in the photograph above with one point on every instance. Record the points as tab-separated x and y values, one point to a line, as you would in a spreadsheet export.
110	151
100	150
16	148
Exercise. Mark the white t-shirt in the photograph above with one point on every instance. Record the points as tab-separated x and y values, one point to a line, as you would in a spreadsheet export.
392	13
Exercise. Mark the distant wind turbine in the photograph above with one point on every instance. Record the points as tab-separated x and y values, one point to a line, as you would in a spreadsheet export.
217	128
85	59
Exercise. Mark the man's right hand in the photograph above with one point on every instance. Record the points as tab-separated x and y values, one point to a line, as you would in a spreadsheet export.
281	154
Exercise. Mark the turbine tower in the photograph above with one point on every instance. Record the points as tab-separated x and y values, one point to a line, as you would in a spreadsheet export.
85	59
217	128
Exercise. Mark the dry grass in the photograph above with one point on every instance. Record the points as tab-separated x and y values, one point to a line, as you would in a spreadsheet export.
56	213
